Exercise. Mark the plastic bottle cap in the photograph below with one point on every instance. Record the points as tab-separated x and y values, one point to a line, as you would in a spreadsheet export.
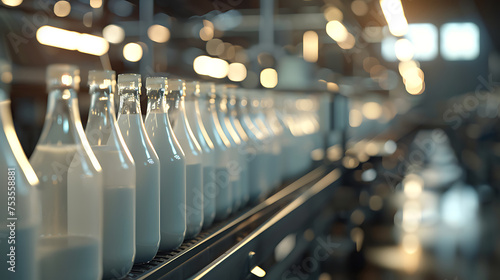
63	75
177	84
206	87
156	82
103	78
193	88
129	81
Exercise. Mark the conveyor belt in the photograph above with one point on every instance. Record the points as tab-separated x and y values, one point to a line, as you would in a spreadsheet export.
194	255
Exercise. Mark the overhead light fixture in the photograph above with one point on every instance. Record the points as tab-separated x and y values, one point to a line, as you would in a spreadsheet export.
259	272
71	40
395	17
310	46
269	78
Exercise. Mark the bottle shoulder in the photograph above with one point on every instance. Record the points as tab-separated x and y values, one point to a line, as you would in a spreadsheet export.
135	136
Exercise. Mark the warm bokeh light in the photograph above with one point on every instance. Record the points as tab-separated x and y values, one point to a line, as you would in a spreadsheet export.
417	90
91	44
332	87
219	68
259	272
372	110
413	185
113	33
207	31
355	118
359	7
310	46
12	3
412	213
348	43
211	66
404	49
333	13
66	80
57	37
336	30
237	72
395	17
410	243
406	66
62	8
158	33
71	40
132	52
96	4
215	47
269	78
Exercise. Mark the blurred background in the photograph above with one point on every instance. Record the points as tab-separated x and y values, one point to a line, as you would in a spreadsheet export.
407	92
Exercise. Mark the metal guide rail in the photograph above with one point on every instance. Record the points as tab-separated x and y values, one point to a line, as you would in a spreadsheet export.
215	245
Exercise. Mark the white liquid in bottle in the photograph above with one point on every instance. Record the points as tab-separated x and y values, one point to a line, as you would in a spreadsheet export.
17	170
119	214
193	153
235	164
147	166
208	156
118	177
223	191
173	167
70	185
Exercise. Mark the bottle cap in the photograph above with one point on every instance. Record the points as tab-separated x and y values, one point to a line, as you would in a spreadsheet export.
220	90
207	87
177	85
103	79
63	75
156	82
129	82
231	90
193	88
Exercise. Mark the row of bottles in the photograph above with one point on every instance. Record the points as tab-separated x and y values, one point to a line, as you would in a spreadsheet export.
127	187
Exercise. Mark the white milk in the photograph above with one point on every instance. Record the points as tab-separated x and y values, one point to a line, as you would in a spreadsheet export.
147	186
210	192
194	194
172	183
73	257
25	259
224	198
119	213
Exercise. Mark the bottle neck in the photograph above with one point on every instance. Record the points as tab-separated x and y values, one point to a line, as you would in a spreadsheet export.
61	118
173	101
101	116
156	101
241	107
130	102
192	109
221	104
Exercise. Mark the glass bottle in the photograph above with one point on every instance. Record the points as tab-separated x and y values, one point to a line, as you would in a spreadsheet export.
70	185
223	192
193	153
147	168
208	157
268	117
234	165
20	205
173	166
118	168
234	122
256	152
